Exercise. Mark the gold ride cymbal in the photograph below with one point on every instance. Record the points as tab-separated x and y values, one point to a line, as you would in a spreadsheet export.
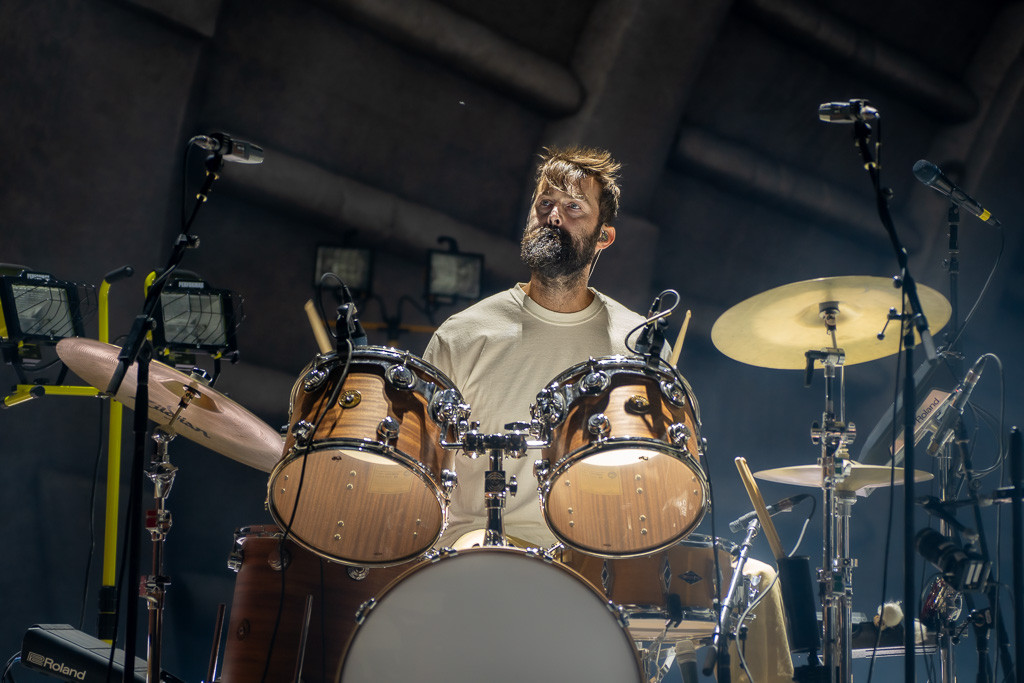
775	328
210	419
860	479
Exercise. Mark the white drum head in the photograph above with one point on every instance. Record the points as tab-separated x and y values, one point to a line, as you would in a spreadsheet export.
491	614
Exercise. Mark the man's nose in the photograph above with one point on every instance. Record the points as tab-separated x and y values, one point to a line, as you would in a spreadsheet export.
554	218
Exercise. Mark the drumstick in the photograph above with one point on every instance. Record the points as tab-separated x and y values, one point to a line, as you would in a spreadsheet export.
759	507
677	349
319	329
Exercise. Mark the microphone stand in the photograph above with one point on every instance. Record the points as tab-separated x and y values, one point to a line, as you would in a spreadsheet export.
137	347
916	319
947	660
1017	507
991	589
946	625
718	657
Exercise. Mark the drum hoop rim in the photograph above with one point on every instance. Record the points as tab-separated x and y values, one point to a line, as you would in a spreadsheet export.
563	464
629	363
433	487
531	554
634	611
382	353
615	361
359	444
362	445
606	443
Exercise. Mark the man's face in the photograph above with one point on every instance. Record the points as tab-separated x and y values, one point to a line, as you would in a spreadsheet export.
562	233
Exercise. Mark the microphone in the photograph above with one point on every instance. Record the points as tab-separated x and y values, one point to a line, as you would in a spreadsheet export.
847	112
784	505
651	338
945	424
932	176
229	149
349	314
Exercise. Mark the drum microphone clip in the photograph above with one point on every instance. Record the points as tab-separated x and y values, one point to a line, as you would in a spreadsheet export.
348	319
652	338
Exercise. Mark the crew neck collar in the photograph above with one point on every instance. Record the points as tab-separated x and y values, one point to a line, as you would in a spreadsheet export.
555	317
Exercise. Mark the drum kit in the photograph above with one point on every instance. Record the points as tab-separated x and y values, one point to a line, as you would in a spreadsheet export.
348	583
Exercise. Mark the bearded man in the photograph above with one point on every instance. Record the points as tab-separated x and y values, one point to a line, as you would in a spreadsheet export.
503	350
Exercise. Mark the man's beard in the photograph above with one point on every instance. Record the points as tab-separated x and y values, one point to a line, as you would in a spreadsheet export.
553	254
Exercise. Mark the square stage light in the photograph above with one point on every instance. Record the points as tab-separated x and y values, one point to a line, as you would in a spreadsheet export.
353	266
35	307
192	316
453	275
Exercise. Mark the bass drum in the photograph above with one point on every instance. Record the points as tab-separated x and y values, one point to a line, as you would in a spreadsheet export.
621	476
365	480
495	614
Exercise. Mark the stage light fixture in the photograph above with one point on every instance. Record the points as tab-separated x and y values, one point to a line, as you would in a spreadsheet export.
962	569
38	308
194	317
353	266
452	275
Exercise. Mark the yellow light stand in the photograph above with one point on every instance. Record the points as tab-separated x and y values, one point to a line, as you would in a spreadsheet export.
26	392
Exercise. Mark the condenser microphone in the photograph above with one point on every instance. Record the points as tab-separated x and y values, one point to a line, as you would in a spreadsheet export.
946	423
932	176
784	505
229	149
847	112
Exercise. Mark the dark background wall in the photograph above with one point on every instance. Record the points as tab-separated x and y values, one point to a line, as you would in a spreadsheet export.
390	124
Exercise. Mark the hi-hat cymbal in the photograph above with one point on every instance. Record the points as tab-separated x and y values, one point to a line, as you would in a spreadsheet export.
775	328
211	419
860	479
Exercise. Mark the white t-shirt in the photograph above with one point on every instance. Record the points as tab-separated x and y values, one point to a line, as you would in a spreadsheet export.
500	353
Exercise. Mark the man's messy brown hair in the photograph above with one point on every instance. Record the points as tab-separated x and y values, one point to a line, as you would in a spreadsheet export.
565	169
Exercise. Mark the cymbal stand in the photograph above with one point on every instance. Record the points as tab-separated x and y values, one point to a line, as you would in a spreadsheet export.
835	577
153	588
